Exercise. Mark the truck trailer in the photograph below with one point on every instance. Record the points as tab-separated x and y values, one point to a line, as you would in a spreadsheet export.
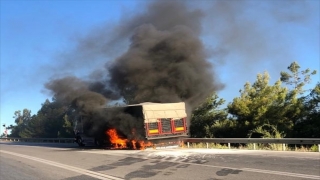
145	122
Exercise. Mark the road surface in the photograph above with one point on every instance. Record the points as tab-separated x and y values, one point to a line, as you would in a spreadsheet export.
31	161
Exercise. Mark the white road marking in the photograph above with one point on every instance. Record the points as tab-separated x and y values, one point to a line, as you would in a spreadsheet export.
67	167
180	154
42	146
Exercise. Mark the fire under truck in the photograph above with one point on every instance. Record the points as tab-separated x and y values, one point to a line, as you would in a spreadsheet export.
158	123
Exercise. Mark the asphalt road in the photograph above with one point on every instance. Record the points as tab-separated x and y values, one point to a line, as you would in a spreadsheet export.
24	161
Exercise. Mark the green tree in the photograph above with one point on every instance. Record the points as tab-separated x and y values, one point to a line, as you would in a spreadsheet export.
260	104
308	124
225	128
296	77
21	119
51	121
300	105
205	115
267	131
35	127
51	117
67	128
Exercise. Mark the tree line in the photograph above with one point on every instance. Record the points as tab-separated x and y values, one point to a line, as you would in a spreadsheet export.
284	109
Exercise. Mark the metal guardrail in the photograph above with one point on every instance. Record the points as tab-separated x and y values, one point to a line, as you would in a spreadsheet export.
41	140
229	141
254	141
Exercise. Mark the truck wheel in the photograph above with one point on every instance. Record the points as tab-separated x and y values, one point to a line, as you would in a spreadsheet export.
98	142
80	142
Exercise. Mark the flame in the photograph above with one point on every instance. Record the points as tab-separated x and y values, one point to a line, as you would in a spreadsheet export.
134	144
122	143
115	140
143	144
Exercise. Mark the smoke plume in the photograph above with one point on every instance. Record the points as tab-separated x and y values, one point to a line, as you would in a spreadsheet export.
75	93
163	66
165	62
157	55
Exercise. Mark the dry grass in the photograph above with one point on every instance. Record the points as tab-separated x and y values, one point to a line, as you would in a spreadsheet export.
250	146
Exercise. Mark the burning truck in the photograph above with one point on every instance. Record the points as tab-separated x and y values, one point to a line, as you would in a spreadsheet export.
133	126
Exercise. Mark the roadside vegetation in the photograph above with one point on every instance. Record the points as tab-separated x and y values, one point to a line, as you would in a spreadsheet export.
282	110
285	109
250	146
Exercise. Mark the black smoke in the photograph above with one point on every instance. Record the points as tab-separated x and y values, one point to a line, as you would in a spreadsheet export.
163	66
73	92
165	62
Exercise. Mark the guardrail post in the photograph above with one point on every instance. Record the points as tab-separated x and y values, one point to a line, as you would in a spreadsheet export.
319	147
254	146
188	144
207	145
229	146
283	147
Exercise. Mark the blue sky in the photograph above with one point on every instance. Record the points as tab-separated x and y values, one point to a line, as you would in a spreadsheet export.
35	33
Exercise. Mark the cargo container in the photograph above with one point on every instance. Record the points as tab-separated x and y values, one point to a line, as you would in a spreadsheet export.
152	122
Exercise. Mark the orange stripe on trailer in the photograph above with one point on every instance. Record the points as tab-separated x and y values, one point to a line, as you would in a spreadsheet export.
179	128
153	131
